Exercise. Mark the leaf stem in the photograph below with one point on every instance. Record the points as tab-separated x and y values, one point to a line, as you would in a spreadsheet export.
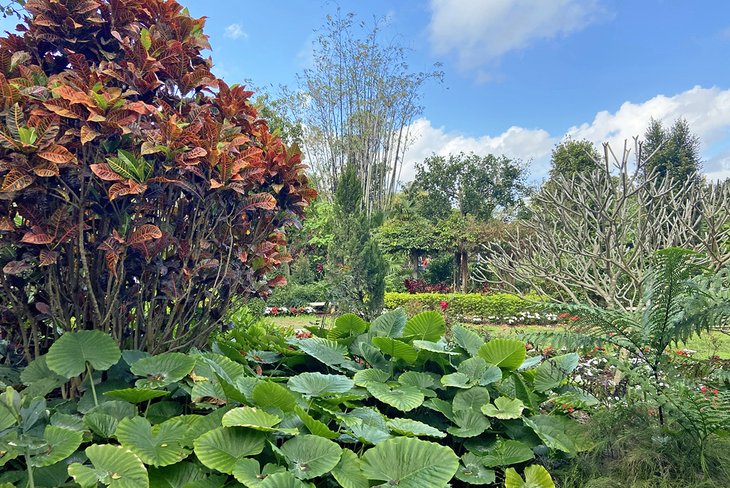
91	382
31	481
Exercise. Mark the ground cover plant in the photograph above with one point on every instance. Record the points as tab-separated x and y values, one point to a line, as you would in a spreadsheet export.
328	407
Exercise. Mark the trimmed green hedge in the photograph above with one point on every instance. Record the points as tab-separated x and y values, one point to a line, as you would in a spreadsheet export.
469	304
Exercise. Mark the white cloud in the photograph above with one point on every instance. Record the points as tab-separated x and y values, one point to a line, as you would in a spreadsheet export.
235	31
481	31
707	111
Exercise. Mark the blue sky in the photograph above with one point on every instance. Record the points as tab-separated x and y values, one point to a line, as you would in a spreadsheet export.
519	74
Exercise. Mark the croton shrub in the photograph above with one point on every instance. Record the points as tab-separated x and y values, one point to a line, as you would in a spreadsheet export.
139	195
395	402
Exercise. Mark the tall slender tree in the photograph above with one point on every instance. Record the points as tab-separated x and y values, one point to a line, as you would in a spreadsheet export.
361	100
672	152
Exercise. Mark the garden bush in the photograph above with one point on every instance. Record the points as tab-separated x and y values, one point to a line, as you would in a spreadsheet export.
299	295
141	195
391	402
495	305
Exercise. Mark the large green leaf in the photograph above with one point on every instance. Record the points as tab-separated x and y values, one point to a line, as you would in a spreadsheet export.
506	353
468	340
410	463
283	480
425	326
348	471
249	472
326	351
254	418
161	445
553	372
113	466
390	324
440	347
472	399
136	395
70	353
367	425
472	471
314	426
555	432
419	379
536	476
370	375
474	368
318	384
163	369
38	370
347	325
504	453
409	427
404	398
267	394
181	475
60	443
396	349
310	456
456	380
469	423
504	408
222	448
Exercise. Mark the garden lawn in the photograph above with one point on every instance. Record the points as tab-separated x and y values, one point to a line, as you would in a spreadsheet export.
713	344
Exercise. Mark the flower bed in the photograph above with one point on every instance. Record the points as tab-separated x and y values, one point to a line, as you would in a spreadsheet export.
288	311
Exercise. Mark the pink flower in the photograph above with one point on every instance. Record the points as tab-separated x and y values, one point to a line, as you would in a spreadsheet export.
444	305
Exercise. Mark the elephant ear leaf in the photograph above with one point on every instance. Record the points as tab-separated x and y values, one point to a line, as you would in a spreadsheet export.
508	354
310	456
161	445
113	466
425	326
535	477
410	463
70	353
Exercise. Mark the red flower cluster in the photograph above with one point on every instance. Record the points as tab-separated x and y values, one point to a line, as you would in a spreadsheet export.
303	334
568	408
444	305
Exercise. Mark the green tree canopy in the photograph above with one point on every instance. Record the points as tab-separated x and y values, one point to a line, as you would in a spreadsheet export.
571	156
473	184
672	152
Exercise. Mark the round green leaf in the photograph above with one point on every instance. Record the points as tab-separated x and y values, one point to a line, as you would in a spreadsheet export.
347	325
507	452
348	471
418	379
415	428
404	398
389	324
470	423
38	370
410	463
70	353
249	473
472	399
504	408
267	394
163	369
506	353
251	417
553	372
282	480
136	395
456	380
536	476
310	456
318	384
60	444
468	340
370	375
553	431
326	351
396	349
222	448
160	445
472	471
440	347
474	368
114	466
425	326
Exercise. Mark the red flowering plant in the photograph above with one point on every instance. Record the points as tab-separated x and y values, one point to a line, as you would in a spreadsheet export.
141	195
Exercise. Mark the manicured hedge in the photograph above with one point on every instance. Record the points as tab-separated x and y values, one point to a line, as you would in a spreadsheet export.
467	304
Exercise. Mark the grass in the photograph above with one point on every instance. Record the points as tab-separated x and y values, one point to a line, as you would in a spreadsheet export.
707	345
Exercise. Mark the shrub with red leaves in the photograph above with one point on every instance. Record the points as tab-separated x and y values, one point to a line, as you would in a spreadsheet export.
140	194
420	286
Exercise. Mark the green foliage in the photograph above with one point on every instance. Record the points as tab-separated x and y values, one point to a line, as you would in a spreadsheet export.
381	388
299	295
493	306
356	268
571	157
673	152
